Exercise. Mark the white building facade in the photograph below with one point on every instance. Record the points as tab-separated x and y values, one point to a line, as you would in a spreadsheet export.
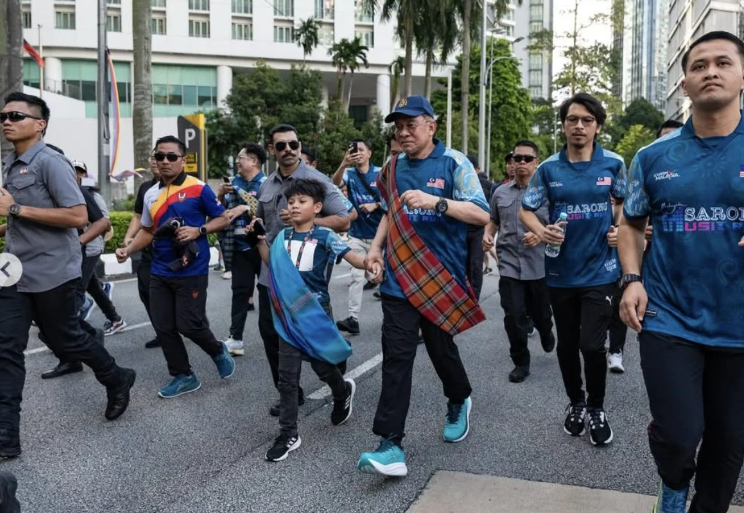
536	67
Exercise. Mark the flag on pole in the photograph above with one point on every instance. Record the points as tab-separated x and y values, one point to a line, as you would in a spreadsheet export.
28	47
117	114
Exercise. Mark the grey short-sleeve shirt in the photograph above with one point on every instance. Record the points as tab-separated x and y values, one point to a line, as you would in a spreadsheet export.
42	178
515	259
271	201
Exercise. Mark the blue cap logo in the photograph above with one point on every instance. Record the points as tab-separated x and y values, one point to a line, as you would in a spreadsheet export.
411	106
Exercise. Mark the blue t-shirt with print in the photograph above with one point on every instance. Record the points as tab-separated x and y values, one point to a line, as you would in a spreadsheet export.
693	191
445	173
582	190
239	224
322	247
365	225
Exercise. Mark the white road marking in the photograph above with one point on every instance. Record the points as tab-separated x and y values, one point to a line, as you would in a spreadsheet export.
342	276
135	326
352	374
44	349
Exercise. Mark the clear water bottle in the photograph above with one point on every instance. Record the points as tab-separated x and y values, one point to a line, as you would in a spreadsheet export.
553	250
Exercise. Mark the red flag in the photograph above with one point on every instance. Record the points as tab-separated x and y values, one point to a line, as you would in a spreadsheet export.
33	53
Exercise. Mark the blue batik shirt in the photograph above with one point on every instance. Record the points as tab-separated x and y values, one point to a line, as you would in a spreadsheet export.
323	246
445	173
365	225
582	190
693	191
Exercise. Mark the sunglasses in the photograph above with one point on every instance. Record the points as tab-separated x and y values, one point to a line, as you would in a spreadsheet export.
281	146
524	158
15	116
172	157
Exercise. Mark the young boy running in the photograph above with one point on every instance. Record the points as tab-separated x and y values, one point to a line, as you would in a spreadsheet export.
297	262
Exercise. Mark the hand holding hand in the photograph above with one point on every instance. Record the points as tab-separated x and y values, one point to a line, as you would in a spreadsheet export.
530	240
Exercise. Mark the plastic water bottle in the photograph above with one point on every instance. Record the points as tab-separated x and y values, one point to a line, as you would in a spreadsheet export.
553	250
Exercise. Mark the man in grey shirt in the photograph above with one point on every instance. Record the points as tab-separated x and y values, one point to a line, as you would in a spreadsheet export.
521	264
285	146
44	207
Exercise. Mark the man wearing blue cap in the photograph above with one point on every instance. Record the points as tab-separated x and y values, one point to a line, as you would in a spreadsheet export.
430	194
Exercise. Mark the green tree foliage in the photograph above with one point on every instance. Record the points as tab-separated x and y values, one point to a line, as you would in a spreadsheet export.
511	111
347	56
307	36
635	138
639	112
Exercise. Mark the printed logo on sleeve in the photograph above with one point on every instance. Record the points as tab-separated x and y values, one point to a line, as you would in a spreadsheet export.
666	175
553	185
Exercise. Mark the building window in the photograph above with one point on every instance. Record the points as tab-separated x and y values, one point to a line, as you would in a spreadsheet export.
363	15
367	37
158	25
65	20
536	12
326	35
26	17
536	61
536	77
242	7
242	31
199	5
198	28
283	34
158	4
324	9
113	23
283	8
536	26
536	92
507	30
114	2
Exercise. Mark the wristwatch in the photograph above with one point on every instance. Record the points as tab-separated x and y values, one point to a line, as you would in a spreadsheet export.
14	210
442	206
630	278
203	230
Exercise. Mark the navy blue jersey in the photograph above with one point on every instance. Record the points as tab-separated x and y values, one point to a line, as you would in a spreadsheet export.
365	225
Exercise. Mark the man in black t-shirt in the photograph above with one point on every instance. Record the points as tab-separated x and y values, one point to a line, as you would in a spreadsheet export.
141	266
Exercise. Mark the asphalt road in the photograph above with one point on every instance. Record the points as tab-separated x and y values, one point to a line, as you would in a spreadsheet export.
203	452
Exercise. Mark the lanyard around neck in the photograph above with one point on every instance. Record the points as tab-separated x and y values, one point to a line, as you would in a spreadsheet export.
302	246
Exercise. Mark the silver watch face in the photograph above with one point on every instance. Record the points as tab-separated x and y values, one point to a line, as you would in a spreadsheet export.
14	209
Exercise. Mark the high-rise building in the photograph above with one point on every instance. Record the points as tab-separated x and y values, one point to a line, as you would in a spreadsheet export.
644	46
537	70
688	20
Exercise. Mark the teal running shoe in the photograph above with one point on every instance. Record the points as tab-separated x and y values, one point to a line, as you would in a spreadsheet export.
457	425
388	460
181	384
671	501
224	362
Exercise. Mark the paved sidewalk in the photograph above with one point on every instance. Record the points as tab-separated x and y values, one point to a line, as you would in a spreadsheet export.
450	492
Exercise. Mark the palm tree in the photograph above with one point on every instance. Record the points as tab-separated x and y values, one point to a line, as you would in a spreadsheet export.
142	104
11	64
396	69
307	36
436	31
347	56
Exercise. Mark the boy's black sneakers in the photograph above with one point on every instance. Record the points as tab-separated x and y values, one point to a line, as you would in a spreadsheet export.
575	424
342	409
600	432
350	324
283	445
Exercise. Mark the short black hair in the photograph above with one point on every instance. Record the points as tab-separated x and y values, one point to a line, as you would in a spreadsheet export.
713	36
508	156
171	139
367	144
280	129
528	144
473	160
591	104
255	149
305	187
56	148
31	101
669	123
311	156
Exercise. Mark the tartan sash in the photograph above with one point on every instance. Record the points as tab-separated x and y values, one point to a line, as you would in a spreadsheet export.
429	287
298	317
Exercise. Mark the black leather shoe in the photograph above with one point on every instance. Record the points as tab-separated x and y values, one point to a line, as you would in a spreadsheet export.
61	369
548	343
8	487
369	286
274	410
152	343
519	374
118	396
350	325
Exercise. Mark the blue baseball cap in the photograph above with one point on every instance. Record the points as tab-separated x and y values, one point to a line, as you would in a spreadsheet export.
411	106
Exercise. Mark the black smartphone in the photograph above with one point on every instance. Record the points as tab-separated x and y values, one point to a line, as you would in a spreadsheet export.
226	179
354	147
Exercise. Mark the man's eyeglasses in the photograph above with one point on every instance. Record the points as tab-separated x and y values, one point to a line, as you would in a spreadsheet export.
15	116
574	120
524	158
282	145
172	157
411	126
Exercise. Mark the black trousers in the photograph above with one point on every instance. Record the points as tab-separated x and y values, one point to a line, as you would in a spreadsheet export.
178	307
400	332
143	283
56	313
521	299
475	260
582	317
95	289
618	329
246	266
695	392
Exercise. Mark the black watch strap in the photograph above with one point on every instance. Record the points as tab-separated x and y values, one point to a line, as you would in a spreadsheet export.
630	278
203	230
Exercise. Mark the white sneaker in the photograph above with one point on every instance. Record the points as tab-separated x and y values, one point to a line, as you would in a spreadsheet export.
235	347
615	362
227	275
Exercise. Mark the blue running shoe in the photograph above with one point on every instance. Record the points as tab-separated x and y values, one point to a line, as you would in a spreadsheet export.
108	289
181	384
88	306
457	426
671	501
388	460
224	362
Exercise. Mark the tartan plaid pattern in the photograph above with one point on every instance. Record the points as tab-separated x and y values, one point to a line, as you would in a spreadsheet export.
430	288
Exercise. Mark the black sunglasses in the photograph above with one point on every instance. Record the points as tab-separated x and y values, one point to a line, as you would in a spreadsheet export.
172	157
15	116
280	146
524	158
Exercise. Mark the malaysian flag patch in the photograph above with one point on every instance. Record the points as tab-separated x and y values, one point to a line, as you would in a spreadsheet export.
741	171
437	183
604	180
